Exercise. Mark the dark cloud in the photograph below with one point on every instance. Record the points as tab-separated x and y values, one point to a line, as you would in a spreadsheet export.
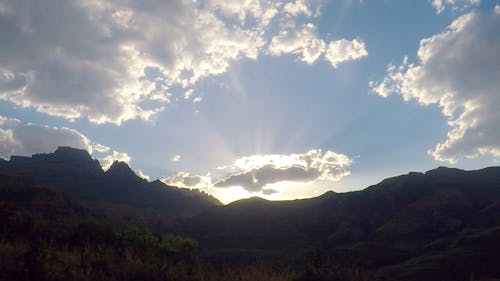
256	179
183	179
269	191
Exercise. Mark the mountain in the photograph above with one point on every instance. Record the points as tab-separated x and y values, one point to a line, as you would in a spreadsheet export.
118	192
22	198
443	223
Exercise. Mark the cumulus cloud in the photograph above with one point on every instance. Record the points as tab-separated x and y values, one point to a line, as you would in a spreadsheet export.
303	41
105	60
256	173
298	7
343	50
21	139
89	58
17	138
458	70
141	174
108	160
261	170
440	5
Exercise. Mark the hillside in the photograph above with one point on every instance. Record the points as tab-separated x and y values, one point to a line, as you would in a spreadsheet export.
408	227
440	225
117	192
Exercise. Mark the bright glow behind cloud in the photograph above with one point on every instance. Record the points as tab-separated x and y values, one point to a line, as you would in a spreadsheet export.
269	175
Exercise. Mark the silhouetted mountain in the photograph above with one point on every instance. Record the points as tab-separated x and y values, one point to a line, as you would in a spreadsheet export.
22	197
409	227
46	236
118	191
440	225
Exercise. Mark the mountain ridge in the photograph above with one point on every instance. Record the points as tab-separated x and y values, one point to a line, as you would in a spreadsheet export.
416	226
74	172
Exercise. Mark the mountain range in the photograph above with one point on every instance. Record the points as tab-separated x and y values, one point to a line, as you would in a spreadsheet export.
117	191
443	224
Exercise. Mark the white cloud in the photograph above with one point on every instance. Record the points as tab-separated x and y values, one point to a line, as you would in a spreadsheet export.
460	5
17	138
343	50
101	148
176	158
303	41
259	173
140	174
108	160
188	94
105	60
21	139
298	7
89	58
458	70
497	9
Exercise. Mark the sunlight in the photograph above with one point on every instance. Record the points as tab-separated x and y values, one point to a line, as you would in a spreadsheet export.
229	194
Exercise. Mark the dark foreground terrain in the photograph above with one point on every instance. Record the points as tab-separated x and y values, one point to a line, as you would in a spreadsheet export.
63	218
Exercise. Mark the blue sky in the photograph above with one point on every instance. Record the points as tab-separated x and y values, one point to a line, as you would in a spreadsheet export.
281	100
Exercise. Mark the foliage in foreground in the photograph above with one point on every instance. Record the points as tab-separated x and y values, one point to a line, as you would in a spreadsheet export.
34	250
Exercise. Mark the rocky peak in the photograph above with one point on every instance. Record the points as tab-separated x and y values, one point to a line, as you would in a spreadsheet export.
121	170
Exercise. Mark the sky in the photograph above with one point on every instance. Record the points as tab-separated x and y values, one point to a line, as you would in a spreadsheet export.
242	98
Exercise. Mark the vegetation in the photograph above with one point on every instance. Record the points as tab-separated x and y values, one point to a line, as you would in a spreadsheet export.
33	249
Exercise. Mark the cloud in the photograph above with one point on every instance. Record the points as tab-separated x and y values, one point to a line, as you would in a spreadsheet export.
458	70
188	94
269	191
303	41
258	171
255	179
183	179
21	139
101	148
89	58
17	138
176	158
112	61
108	160
106	60
343	50
270	175
298	7
460	5
140	174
